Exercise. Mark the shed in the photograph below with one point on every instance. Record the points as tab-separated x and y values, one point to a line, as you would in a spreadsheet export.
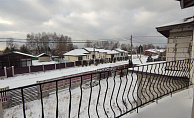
43	57
16	59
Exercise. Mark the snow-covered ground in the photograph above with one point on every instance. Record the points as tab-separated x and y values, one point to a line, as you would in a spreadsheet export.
27	79
178	106
36	62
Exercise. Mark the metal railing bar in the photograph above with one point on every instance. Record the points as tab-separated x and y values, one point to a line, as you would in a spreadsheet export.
105	94
98	96
112	94
80	97
57	99
41	99
90	96
24	113
118	95
69	98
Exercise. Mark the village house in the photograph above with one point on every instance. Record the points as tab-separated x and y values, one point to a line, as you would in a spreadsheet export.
180	39
43	57
111	55
77	55
16	59
122	53
92	53
180	36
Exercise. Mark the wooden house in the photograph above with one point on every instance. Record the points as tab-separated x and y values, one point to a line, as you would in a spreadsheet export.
16	59
43	57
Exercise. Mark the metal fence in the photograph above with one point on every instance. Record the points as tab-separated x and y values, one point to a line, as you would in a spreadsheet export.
107	92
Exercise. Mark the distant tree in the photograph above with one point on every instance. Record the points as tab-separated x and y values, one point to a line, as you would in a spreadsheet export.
88	44
24	49
6	50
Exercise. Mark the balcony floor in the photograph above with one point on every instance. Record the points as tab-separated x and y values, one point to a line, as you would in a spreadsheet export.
177	106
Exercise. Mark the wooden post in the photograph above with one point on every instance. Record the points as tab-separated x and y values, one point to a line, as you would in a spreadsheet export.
13	73
29	69
5	71
131	47
43	67
55	66
1	109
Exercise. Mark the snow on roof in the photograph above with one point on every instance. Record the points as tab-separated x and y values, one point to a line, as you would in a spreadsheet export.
90	49
42	54
23	54
76	52
120	50
111	52
183	21
155	50
101	50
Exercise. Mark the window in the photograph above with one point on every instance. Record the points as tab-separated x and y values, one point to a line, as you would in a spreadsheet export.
79	58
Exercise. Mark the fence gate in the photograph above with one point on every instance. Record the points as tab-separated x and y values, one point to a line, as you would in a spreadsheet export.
30	94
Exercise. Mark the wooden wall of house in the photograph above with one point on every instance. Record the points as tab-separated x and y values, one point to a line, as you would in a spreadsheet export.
179	45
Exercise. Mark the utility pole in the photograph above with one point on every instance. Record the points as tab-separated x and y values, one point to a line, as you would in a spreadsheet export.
131	47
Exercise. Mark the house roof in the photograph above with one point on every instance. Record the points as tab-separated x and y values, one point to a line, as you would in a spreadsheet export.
20	53
186	3
91	49
76	52
101	50
111	52
119	50
43	54
155	50
165	29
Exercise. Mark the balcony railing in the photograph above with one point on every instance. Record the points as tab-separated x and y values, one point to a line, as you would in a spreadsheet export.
103	93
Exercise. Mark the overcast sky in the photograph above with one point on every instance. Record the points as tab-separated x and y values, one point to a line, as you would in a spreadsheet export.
89	19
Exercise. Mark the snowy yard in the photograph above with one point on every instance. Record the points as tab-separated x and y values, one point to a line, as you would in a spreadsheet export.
110	97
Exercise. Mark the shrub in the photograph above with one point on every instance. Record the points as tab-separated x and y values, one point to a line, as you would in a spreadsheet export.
150	59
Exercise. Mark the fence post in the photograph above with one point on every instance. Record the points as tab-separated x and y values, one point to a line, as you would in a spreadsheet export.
43	67
5	70
1	109
65	65
74	63
29	68
55	66
13	70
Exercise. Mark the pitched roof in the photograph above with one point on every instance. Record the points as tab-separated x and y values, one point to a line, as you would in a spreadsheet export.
43	54
186	22
186	3
76	52
111	52
91	49
101	50
16	52
120	50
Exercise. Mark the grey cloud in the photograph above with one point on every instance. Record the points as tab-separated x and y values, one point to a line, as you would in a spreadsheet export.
89	19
